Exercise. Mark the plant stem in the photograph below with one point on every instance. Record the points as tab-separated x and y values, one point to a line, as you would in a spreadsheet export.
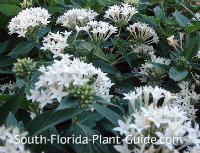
28	82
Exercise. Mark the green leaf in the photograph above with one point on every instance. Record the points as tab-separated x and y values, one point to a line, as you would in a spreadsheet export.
67	102
75	4
107	113
22	48
51	118
177	74
22	83
100	54
191	48
35	78
162	66
105	67
86	48
7	62
4	98
43	31
12	105
11	120
182	20
89	118
87	133
103	101
9	9
61	2
108	2
3	46
192	28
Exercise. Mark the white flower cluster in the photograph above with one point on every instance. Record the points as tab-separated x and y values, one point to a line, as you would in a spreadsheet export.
148	70
8	141
156	119
101	31
76	17
28	19
56	42
144	49
143	34
10	87
197	16
55	80
120	14
186	99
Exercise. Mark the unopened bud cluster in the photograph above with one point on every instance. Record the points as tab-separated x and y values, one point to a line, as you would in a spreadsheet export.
84	93
181	63
26	3
24	67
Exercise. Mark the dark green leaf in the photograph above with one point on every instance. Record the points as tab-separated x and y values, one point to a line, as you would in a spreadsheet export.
51	118
192	47
105	67
43	31
103	101
107	113
67	102
12	105
177	74
182	20
61	2
192	28
11	120
22	48
9	9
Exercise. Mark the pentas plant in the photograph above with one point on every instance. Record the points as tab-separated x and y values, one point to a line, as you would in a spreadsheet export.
158	119
69	77
68	67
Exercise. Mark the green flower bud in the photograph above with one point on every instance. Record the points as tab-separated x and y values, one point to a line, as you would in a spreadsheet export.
24	67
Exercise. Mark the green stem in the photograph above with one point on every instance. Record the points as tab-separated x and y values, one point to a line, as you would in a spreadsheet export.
162	6
115	61
28	82
44	1
40	55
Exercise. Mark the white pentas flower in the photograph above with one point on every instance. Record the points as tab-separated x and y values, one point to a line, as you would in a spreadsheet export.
8	141
121	14
29	20
101	31
11	88
149	71
76	17
69	77
197	15
56	42
143	33
98	31
156	119
186	98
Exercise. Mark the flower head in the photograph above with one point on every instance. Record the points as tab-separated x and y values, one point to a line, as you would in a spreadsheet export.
76	17
56	42
28	20
120	14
